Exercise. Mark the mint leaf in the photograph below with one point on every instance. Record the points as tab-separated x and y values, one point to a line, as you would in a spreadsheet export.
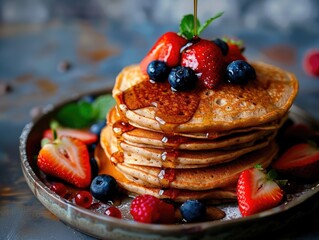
102	105
186	27
70	116
205	25
86	110
82	114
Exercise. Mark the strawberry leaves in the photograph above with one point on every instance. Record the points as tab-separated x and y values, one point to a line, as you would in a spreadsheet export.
187	25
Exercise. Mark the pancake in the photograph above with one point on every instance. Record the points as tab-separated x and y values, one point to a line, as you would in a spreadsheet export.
144	138
154	157
178	195
198	179
229	106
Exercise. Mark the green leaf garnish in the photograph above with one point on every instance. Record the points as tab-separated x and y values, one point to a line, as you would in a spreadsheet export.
82	114
205	25
70	116
102	105
186	27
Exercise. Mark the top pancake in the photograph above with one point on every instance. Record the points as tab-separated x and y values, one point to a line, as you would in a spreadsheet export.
227	107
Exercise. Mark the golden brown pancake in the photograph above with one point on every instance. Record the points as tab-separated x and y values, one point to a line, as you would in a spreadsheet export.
155	157
205	178
178	195
229	106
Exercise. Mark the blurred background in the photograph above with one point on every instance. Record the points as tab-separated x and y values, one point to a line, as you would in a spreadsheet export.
51	50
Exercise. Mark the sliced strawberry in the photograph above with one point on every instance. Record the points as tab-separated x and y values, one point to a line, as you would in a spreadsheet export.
207	60
66	158
301	160
256	192
167	49
84	135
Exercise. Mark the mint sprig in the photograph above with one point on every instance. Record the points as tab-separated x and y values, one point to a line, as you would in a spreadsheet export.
82	114
187	28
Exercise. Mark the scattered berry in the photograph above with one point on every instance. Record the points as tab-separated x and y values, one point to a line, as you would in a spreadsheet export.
182	78
66	158
157	71
301	160
149	209
83	135
167	49
83	199
97	127
103	187
193	211
145	208
240	72
257	191
59	188
235	51
207	60
94	167
311	63
113	212
222	45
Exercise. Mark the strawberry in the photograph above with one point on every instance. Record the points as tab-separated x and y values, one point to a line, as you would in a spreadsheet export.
167	49
300	160
235	51
66	158
207	60
83	135
256	192
311	63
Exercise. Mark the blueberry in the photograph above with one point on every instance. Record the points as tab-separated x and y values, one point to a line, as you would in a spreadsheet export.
182	78
240	71
222	45
103	187
94	167
157	71
91	148
97	127
193	210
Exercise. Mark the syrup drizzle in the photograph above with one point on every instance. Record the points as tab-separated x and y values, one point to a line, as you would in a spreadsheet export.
171	108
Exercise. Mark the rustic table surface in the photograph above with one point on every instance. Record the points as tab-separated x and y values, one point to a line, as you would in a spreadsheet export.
52	62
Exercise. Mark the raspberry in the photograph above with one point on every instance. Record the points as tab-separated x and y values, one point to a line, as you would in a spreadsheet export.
149	209
311	63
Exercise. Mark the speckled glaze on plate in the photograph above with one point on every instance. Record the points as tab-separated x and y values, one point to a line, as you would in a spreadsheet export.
103	227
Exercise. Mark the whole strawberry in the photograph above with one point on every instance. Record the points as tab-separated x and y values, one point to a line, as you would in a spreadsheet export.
257	191
207	60
149	209
235	50
166	49
311	62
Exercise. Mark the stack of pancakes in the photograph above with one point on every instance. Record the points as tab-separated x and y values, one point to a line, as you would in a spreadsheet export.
192	144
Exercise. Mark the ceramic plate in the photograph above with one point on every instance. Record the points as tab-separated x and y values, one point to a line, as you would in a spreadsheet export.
98	225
